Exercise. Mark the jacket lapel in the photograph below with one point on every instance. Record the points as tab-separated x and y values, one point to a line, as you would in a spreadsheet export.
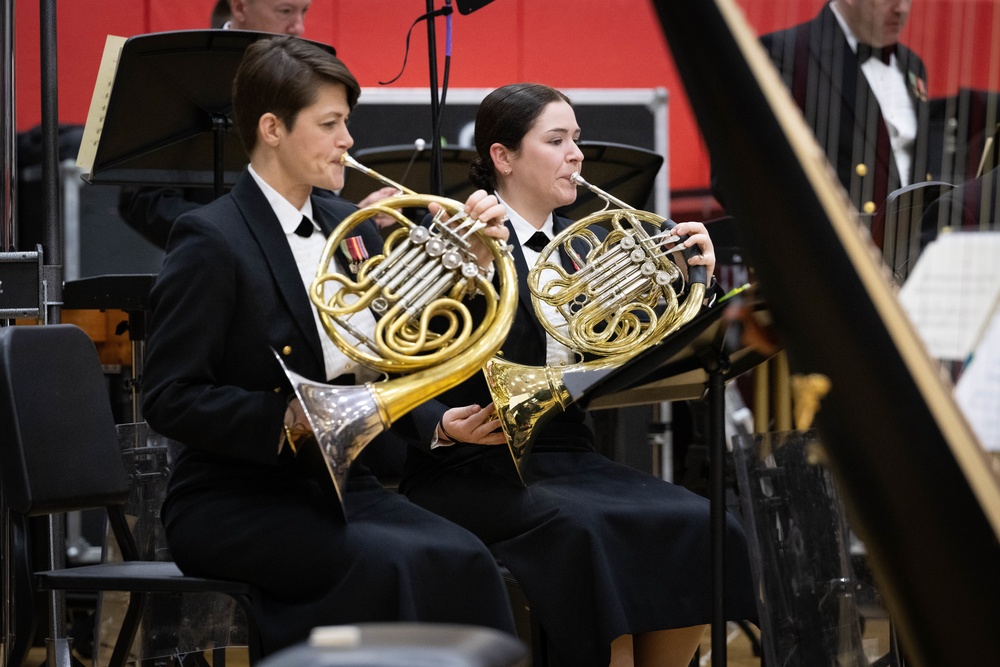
273	245
524	295
521	268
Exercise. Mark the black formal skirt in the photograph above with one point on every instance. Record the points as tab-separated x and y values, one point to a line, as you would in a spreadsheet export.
391	560
600	549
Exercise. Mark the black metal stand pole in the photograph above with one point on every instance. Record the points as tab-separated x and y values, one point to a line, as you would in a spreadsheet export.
57	644
52	221
220	123
436	169
717	508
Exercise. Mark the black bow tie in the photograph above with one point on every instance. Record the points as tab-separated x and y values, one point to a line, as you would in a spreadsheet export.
305	228
538	241
866	51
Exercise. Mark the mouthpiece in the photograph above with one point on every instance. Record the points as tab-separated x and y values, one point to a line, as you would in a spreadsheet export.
348	161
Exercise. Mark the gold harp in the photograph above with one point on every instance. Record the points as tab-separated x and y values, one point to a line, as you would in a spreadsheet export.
422	275
916	481
620	300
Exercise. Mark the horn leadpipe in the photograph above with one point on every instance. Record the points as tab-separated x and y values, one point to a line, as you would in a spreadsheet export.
348	161
577	179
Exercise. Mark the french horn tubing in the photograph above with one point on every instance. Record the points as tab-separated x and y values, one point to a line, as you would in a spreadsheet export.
621	298
423	274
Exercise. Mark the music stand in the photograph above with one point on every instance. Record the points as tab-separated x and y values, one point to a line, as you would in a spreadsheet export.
469	6
129	293
411	168
627	172
898	227
163	125
693	362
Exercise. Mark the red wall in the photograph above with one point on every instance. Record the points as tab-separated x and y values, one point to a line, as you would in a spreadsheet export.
564	43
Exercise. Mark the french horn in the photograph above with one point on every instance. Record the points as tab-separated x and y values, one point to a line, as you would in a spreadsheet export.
422	275
623	296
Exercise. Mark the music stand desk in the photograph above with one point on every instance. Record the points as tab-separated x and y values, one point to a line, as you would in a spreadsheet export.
411	168
161	124
679	367
627	172
693	362
127	292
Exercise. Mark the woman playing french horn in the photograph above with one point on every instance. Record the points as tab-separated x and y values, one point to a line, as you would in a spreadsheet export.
241	504
614	562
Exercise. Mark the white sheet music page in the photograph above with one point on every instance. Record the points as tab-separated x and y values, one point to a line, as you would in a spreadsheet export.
978	389
99	102
953	292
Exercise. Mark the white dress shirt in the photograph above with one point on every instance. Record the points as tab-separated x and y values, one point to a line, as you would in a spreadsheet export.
307	252
556	353
888	83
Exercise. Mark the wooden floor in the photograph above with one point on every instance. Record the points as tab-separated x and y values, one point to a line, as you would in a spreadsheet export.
739	651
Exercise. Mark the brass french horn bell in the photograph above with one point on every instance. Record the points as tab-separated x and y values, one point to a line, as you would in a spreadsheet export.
620	299
422	275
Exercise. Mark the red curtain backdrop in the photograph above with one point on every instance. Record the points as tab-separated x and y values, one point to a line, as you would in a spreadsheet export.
564	43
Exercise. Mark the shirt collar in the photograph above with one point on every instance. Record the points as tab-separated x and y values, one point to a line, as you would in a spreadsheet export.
524	229
287	215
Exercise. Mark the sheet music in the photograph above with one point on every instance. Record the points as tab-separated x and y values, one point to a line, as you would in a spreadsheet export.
978	389
952	292
99	102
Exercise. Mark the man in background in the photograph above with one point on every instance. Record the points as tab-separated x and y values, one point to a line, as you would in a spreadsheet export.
863	94
283	17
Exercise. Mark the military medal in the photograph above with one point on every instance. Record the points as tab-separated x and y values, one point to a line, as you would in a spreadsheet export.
354	248
918	87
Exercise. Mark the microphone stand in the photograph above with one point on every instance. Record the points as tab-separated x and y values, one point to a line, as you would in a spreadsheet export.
436	167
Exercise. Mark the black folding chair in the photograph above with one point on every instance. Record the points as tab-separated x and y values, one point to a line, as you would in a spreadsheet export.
60	453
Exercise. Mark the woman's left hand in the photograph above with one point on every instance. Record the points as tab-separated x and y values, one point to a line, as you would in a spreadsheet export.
473	424
697	234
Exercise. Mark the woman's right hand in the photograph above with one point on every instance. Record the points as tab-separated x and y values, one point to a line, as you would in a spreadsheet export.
474	425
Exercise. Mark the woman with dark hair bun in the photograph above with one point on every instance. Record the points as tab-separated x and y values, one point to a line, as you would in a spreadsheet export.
615	562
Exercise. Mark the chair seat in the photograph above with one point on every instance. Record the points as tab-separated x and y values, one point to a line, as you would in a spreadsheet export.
145	576
409	645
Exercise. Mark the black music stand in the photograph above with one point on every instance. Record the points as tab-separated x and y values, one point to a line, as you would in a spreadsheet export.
693	362
129	293
627	172
898	227
411	168
167	118
469	6
166	121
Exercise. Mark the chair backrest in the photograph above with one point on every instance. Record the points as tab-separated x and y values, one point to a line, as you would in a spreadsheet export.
59	449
